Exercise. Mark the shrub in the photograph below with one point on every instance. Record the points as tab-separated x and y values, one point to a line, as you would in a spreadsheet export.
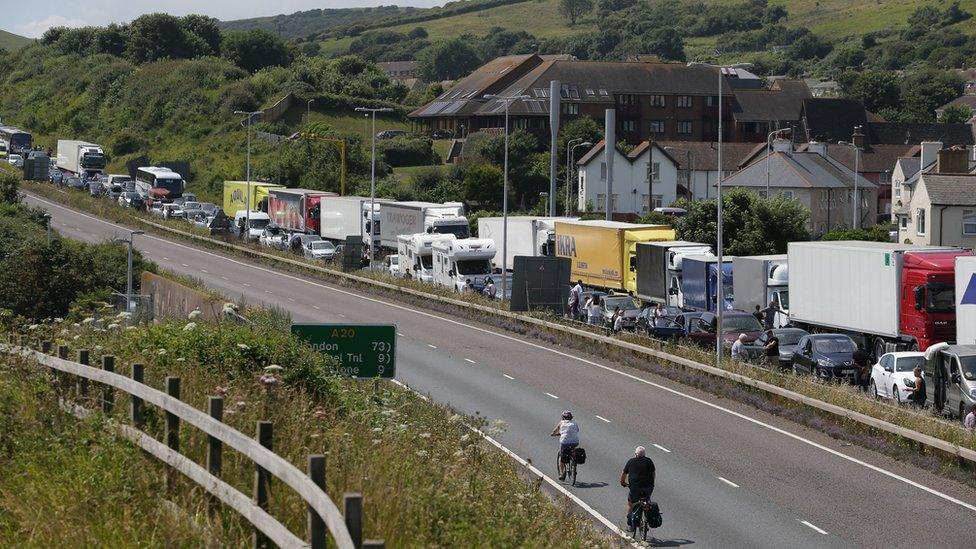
407	151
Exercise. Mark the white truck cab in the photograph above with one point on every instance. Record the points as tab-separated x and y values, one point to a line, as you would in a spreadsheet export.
675	258
258	221
458	261
416	255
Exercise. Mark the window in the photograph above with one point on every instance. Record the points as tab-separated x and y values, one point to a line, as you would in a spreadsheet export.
570	108
684	126
644	203
711	101
897	191
601	202
824	196
628	125
657	100
613	203
684	101
655	172
657	126
787	195
884	178
626	99
658	201
603	171
710	128
920	222
904	221
969	222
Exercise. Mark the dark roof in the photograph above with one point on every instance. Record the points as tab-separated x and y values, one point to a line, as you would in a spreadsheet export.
950	190
831	119
909	165
467	95
872	159
704	154
964	100
902	133
782	102
796	170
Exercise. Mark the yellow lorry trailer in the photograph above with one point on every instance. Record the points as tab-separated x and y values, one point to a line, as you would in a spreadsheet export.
235	196
604	253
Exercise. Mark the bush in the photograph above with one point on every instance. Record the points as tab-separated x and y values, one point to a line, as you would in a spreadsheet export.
128	142
877	233
407	151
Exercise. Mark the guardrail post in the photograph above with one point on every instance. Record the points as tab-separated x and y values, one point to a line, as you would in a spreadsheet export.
81	383
172	436
108	396
316	526
374	544
46	347
262	480
215	407
353	505
136	414
63	352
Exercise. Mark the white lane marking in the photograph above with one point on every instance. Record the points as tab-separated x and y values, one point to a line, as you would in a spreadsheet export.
662	448
508	377
432	346
165	258
204	271
341	315
246	284
601	418
553	396
316	307
729	482
536	471
184	264
267	291
819	530
224	278
469	360
603	367
401	334
292	299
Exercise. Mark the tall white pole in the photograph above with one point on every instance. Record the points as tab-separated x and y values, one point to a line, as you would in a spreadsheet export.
505	208
555	90
609	150
720	276
247	200
372	193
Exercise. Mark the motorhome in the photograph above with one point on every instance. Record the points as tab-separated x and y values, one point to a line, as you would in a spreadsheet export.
458	261
416	253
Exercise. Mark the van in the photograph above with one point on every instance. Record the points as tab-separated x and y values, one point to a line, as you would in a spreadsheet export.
950	378
258	221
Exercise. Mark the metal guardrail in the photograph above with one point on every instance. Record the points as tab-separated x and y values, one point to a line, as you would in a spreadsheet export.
346	530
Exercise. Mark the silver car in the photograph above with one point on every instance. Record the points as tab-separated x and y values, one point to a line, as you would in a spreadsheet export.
319	250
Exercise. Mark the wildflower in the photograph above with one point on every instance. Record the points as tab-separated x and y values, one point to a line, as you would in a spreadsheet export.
76	325
33	326
269	380
376	441
88	320
220	390
98	347
230	308
161	352
388	412
377	429
243	347
130	327
194	313
190	326
76	337
273	368
424	435
318	413
455	418
314	435
123	314
240	404
181	359
114	326
421	453
58	319
465	437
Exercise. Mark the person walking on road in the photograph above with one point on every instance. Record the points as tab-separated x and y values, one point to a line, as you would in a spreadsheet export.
739	351
769	315
618	321
638	475
771	349
862	359
574	299
758	314
918	392
490	290
970	421
568	432
594	312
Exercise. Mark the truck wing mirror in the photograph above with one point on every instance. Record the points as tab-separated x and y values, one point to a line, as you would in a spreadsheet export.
956	378
416	267
919	297
673	291
450	273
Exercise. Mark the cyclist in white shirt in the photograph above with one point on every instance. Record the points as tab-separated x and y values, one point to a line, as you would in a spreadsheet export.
568	432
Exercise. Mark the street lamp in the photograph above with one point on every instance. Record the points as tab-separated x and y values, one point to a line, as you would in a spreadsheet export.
47	222
720	275
372	176
545	201
308	115
128	284
769	151
689	168
247	199
856	205
570	154
507	100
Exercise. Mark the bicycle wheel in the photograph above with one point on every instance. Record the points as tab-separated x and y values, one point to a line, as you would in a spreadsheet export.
644	524
572	470
635	520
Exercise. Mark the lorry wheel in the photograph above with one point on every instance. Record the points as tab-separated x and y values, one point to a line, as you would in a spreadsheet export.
879	348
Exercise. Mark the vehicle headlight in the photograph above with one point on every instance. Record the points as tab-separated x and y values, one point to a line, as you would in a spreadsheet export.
909	382
824	363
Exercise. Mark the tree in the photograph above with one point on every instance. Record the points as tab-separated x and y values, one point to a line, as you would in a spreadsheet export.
254	50
878	90
160	36
447	60
483	186
810	46
924	91
877	233
574	9
206	29
956	114
667	43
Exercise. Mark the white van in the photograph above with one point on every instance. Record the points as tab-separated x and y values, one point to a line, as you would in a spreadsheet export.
258	221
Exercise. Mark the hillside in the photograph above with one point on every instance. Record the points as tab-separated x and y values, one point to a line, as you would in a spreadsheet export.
301	24
12	42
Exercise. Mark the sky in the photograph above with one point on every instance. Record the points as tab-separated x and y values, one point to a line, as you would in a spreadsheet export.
31	19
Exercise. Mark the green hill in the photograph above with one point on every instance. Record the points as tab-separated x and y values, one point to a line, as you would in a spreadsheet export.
12	42
303	23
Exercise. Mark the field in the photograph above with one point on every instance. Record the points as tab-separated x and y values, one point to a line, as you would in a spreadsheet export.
12	42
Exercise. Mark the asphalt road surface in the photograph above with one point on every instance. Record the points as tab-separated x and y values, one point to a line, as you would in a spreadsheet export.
728	475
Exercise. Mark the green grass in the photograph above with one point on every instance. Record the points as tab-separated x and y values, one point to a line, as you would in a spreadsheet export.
12	42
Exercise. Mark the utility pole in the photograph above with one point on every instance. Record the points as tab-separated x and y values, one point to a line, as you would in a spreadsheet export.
128	284
372	178
247	200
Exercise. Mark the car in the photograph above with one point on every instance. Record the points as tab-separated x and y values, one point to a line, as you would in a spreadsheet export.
112	191
826	356
16	160
684	318
75	182
701	329
441	134
191	211
170	211
672	212
390	134
392	265
131	199
209	208
658	327
96	189
585	296
628	308
893	375
321	250
788	338
643	323
56	176
274	237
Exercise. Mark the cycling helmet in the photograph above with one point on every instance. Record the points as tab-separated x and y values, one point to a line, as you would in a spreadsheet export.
567	414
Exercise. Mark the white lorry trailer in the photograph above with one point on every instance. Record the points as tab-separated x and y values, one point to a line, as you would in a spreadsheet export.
659	267
761	280
457	261
397	218
80	157
345	216
527	235
966	300
416	255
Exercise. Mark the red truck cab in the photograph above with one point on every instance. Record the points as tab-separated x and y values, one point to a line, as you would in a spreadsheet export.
928	297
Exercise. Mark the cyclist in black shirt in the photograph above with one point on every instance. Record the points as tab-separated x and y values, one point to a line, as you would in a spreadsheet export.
638	474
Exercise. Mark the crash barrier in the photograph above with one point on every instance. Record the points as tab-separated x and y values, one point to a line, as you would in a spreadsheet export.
345	528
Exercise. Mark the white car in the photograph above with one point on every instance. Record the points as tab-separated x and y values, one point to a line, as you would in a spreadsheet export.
392	265
889	375
16	160
320	250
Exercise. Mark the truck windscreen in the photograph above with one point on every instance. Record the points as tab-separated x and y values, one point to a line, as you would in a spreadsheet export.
174	186
460	231
473	267
93	161
941	298
427	261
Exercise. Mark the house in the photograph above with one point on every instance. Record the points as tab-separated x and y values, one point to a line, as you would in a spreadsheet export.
832	120
652	100
812	177
643	179
698	164
938	205
962	101
399	70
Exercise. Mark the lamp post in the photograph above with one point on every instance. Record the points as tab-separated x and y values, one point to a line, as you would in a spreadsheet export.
128	283
545	202
47	223
769	151
720	298
308	112
855	204
507	100
247	199
570	155
372	176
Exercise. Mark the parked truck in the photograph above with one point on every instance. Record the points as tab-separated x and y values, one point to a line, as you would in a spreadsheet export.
416	255
604	253
965	300
344	216
659	268
397	218
460	260
879	293
296	210
241	195
527	235
762	280
80	157
700	279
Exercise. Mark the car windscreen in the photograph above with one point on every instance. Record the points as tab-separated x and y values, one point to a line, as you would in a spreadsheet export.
830	345
662	322
460	231
941	298
174	186
259	223
909	363
322	245
790	338
474	267
968	365
740	323
624	302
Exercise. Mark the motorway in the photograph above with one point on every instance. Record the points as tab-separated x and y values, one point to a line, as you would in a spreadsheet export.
728	475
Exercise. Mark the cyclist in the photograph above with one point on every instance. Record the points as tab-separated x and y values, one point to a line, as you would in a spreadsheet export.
639	475
568	432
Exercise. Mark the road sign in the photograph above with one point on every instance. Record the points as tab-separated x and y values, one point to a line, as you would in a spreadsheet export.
362	350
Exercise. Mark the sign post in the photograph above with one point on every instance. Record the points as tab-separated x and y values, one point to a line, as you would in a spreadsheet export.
362	350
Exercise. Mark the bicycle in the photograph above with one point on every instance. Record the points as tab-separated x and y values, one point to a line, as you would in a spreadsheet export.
570	465
641	518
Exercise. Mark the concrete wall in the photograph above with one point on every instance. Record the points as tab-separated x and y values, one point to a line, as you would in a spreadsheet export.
171	299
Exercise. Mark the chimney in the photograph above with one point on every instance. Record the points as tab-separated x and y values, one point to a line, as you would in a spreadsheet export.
954	160
929	151
858	138
782	145
817	147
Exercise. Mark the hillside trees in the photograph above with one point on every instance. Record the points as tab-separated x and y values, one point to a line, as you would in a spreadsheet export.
255	49
448	60
574	9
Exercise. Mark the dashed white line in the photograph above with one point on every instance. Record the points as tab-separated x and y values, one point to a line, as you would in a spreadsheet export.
432	346
316	307
662	448
341	315
246	284
601	418
506	376
268	291
224	277
819	530
553	396
401	334
292	299
203	271
727	481
166	258
184	264
469	360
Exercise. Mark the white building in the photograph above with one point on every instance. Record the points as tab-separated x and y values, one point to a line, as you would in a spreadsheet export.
644	179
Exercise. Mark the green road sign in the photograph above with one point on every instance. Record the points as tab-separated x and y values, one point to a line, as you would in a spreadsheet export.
362	350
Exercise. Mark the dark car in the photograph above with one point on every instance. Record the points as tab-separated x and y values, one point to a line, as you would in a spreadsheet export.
788	338
75	183
827	356
702	329
113	191
131	199
390	134
658	327
441	134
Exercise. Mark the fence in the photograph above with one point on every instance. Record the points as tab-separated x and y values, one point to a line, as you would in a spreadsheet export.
323	515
